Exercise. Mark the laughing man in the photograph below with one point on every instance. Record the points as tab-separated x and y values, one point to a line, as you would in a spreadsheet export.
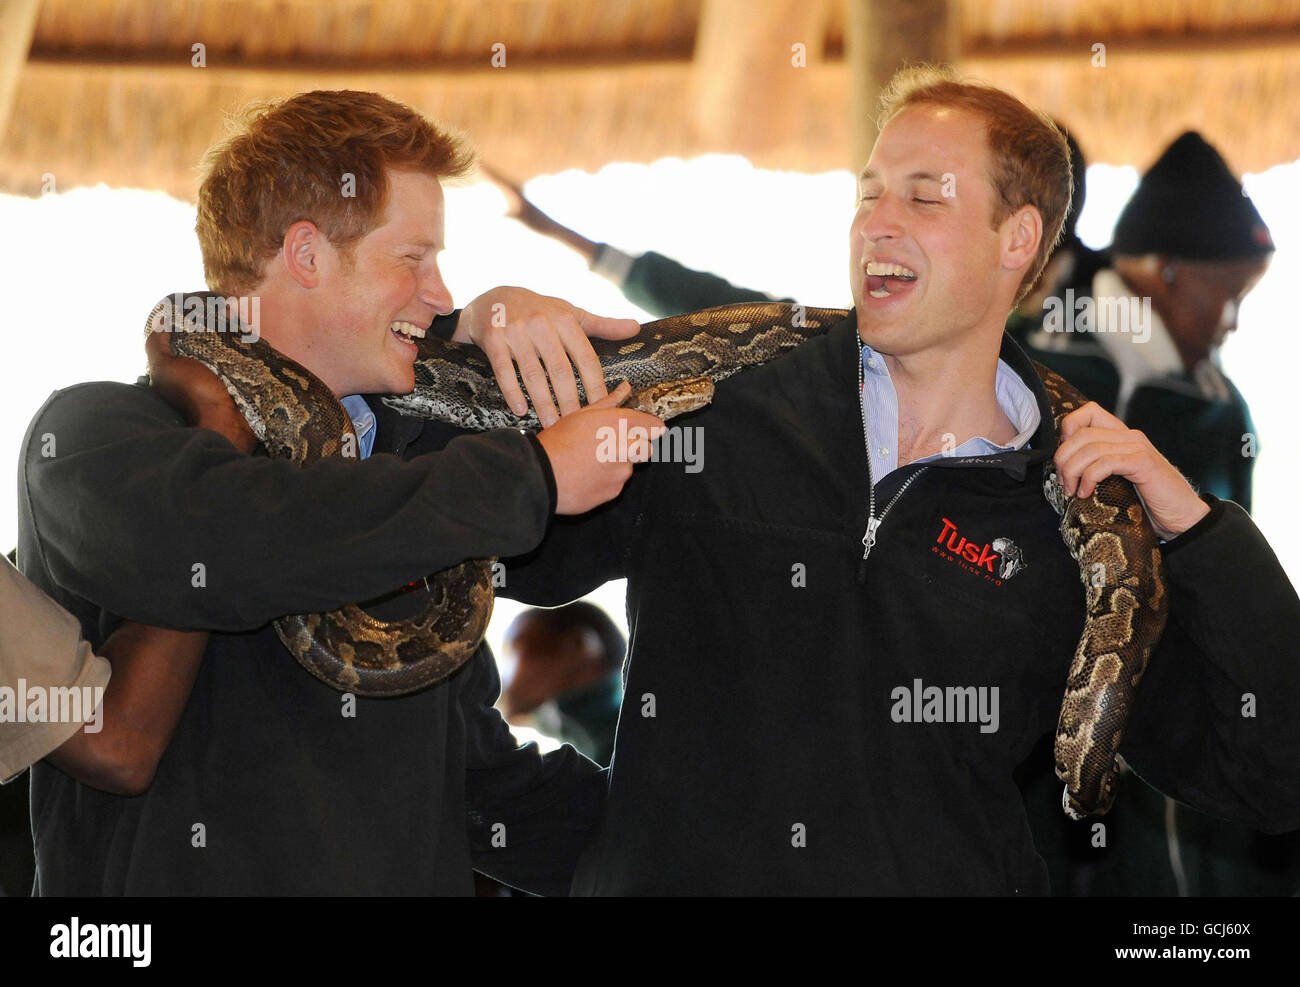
870	525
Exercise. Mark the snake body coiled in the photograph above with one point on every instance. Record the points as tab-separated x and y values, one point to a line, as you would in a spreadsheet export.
296	417
671	366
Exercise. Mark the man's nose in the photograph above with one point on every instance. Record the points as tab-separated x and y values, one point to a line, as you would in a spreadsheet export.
434	292
883	219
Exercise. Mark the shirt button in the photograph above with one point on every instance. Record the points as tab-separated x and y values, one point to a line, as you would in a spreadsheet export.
883	452
871	361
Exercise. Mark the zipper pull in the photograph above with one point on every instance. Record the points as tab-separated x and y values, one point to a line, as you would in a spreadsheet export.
868	543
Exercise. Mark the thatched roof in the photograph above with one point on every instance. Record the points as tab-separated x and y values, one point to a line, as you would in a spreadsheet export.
108	92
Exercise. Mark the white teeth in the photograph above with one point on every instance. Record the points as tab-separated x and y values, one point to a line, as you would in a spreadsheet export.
408	329
889	270
882	293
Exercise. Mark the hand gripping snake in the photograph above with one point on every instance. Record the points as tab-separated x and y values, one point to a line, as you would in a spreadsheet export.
671	366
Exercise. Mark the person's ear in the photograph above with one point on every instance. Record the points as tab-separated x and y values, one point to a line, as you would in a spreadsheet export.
1022	232
1161	281
300	250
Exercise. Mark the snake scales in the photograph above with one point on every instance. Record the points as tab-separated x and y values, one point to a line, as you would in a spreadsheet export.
296	418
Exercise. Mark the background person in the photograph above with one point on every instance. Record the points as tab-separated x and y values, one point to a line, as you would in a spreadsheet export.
567	677
1192	243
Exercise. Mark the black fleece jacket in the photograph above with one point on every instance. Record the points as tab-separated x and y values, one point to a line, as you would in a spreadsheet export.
272	784
768	741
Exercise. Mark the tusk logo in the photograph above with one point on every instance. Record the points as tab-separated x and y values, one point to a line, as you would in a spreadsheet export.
996	561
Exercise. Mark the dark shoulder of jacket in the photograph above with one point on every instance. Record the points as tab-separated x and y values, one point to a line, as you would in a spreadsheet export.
95	401
785	376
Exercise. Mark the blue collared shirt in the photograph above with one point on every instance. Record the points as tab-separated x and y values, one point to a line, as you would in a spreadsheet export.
363	421
880	404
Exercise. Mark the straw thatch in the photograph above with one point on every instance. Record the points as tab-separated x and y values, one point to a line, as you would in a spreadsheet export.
109	92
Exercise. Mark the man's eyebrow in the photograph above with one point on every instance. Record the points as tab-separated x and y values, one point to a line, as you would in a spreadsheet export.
417	241
928	176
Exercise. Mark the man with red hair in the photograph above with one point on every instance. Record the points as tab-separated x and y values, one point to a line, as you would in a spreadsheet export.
327	209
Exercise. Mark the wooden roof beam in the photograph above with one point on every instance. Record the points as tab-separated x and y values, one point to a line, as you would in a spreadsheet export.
17	25
751	78
880	37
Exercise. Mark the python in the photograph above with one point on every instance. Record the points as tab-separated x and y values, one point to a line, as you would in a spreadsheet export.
238	314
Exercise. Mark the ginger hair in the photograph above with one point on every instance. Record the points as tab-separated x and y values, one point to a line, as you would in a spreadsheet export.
322	156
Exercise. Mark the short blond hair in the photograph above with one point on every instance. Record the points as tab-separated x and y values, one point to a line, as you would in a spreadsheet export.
1029	156
321	156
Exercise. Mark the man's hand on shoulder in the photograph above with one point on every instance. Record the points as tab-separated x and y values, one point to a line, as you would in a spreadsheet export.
547	338
1095	444
589	465
196	392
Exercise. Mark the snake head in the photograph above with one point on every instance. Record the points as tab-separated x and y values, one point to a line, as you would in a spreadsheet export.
672	398
1077	811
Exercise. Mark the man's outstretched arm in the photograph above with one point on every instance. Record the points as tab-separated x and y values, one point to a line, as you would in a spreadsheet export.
171	525
658	284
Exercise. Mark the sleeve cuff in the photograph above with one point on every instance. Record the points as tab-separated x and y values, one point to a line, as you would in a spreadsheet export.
611	263
1198	529
23	748
545	462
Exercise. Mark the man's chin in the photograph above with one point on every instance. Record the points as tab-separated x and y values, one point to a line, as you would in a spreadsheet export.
399	377
883	337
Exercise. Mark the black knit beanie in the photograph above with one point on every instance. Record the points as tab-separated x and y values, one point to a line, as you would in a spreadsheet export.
1189	205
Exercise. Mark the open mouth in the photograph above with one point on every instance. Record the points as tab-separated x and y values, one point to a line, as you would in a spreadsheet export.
408	332
884	280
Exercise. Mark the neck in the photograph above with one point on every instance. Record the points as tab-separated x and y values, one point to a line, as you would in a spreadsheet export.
946	397
289	329
1058	269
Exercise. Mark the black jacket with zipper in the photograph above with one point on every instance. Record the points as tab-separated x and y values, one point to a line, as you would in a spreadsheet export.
274	783
763	746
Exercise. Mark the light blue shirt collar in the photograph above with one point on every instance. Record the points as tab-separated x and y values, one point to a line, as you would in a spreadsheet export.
363	421
880	404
